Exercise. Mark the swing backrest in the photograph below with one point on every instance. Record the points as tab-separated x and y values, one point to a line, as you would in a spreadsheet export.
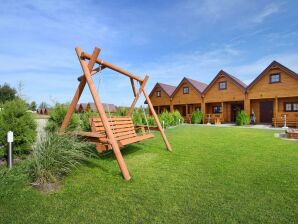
122	127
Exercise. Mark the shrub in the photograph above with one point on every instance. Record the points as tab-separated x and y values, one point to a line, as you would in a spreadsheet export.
197	117
167	118
54	157
14	117
84	120
176	117
56	118
121	111
151	121
242	118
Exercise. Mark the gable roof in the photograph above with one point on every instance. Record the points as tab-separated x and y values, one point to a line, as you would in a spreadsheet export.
198	86
235	80
168	89
273	63
108	107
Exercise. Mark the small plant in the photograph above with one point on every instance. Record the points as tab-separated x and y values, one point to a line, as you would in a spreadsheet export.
14	117
197	117
56	118
54	157
242	118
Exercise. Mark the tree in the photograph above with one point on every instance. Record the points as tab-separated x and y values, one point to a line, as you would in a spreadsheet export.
33	106
14	117
43	105
7	93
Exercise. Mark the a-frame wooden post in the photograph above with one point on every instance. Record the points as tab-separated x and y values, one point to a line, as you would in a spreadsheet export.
79	91
142	86
157	120
103	116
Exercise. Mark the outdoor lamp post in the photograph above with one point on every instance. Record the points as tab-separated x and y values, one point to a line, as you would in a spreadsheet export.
9	149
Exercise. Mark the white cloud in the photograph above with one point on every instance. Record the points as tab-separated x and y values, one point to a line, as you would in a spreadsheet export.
266	12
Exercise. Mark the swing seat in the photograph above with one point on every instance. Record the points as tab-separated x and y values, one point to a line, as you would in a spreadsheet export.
123	129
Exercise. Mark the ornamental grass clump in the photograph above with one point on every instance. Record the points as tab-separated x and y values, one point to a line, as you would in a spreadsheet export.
242	118
197	117
54	157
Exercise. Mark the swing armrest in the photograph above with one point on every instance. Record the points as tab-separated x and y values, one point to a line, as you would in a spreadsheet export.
141	127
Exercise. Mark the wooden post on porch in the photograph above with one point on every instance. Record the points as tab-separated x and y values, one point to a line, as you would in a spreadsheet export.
186	111
222	111
171	106
247	105
275	111
203	109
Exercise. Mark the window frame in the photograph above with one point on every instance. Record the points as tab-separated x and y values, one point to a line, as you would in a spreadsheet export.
186	87
217	106
274	74
292	107
158	93
226	85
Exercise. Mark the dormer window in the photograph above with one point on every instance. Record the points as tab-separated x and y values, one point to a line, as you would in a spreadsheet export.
185	90
222	85
158	94
274	78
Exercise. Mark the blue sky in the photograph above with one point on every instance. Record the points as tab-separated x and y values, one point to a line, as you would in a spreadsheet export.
165	39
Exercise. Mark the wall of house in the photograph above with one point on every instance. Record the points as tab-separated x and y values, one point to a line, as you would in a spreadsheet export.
232	93
288	86
192	98
163	100
281	111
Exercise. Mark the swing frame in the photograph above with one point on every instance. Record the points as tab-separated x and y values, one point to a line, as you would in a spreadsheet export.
86	78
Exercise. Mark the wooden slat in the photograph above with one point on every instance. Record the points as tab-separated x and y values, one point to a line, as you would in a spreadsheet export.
136	139
120	118
126	137
114	127
99	124
125	133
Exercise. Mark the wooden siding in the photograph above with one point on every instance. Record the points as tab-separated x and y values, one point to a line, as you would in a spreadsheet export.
193	97
232	93
163	100
262	89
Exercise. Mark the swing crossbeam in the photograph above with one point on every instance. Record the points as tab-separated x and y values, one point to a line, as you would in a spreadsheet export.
110	133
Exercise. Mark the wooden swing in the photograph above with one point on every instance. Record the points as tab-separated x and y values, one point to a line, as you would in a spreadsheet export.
110	132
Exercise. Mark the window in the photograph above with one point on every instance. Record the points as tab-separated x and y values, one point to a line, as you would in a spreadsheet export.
222	85
217	109
291	107
158	93
185	90
274	78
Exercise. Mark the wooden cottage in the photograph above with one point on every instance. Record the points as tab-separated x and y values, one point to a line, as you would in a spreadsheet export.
187	97
273	94
160	97
223	98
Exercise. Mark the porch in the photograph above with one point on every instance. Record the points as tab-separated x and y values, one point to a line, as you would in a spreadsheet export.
186	110
223	112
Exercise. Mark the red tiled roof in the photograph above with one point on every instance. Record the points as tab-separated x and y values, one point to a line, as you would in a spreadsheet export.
274	63
200	86
168	89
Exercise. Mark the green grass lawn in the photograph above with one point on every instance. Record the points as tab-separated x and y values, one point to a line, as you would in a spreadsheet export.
213	175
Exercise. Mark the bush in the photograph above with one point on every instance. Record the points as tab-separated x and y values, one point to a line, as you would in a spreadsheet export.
177	118
167	118
14	117
84	120
242	118
151	121
54	157
197	117
121	111
56	118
